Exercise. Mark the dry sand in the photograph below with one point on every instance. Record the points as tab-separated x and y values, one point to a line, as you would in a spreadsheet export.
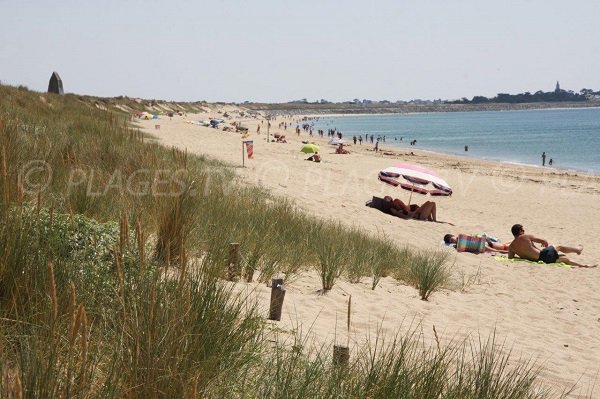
542	312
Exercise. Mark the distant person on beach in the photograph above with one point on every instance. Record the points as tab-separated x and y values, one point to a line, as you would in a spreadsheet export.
314	157
544	158
550	162
341	150
360	140
377	146
524	247
354	139
466	148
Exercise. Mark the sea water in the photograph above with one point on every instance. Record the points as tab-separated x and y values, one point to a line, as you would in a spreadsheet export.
570	137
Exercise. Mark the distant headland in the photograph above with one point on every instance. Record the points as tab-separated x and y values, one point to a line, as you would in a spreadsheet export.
558	98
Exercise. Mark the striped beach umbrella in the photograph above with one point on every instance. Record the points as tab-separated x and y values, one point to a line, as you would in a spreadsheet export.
415	179
336	141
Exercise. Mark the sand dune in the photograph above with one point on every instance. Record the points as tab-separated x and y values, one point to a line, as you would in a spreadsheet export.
542	312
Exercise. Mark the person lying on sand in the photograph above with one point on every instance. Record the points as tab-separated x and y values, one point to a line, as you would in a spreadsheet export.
497	246
426	212
314	157
524	247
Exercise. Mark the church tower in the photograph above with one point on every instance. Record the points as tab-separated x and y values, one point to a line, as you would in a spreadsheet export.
557	90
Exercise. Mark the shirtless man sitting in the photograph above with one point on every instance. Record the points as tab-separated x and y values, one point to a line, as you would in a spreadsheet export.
523	246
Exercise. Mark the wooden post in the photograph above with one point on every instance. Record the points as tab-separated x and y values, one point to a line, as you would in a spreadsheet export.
249	274
268	126
277	296
234	270
243	158
341	356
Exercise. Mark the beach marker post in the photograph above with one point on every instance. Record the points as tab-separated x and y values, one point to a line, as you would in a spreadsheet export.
341	353
277	297
268	126
341	356
243	158
233	269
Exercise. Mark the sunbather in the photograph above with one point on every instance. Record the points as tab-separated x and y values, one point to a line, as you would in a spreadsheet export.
314	157
427	211
498	246
524	247
341	150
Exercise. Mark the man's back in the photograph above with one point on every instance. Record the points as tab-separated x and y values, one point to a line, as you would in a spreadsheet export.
523	247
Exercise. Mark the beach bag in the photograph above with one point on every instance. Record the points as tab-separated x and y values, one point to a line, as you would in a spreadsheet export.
467	243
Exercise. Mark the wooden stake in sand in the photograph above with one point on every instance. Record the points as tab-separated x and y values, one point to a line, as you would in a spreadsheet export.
277	296
341	353
243	157
341	356
234	270
268	126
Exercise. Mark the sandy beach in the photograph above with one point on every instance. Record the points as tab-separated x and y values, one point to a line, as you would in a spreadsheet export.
541	312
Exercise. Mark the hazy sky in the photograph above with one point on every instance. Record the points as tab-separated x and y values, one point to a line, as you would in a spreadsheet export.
278	50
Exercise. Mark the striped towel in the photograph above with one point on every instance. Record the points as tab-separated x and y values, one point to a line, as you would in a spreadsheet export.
467	243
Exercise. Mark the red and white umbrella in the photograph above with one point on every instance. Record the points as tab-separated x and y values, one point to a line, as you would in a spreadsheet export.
336	141
415	178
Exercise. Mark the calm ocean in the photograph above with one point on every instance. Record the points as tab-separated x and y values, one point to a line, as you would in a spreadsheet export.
571	137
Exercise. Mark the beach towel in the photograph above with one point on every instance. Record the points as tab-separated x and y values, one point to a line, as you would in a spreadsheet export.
505	259
467	243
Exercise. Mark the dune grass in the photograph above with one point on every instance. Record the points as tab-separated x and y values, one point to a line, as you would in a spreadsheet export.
112	250
429	271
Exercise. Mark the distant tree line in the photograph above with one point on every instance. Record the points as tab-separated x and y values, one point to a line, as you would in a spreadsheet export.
527	97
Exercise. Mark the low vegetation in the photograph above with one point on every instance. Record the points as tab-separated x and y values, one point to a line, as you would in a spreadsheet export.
112	253
429	271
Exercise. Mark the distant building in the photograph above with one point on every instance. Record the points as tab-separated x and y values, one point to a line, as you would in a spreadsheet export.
557	89
55	85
